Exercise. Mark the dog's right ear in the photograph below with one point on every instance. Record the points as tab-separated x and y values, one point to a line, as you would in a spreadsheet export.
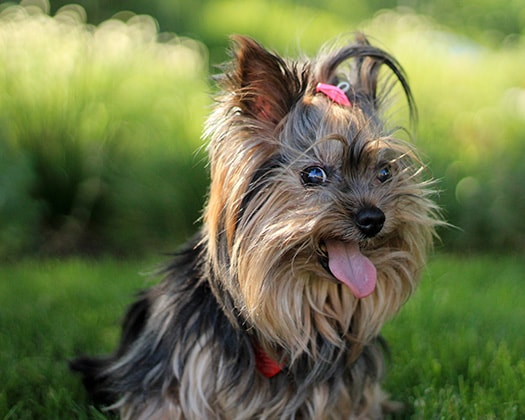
265	87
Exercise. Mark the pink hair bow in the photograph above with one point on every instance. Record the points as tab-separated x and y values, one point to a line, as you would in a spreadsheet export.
335	93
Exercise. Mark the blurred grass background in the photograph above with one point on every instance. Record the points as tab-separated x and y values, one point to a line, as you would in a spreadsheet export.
101	112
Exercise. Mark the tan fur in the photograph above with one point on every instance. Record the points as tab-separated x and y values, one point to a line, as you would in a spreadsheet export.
263	242
274	274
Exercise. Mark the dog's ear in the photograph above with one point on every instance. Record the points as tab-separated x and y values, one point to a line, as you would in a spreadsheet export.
264	85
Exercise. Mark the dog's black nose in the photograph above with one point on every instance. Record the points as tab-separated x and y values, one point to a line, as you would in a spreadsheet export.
370	221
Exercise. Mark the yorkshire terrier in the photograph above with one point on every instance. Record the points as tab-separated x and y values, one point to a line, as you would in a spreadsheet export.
315	232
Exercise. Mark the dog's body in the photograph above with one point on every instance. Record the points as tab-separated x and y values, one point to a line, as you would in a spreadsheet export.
315	233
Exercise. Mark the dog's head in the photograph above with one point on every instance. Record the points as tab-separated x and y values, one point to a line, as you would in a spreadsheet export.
318	218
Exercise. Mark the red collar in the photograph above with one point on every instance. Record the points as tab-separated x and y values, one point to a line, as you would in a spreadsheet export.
265	364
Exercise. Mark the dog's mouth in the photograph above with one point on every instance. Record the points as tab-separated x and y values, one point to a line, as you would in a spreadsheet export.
346	262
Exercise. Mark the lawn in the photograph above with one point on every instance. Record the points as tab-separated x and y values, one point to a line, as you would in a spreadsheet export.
457	346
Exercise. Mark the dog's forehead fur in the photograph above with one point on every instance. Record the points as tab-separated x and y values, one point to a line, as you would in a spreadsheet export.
317	129
273	102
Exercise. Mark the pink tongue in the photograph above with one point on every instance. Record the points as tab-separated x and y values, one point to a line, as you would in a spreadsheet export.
352	268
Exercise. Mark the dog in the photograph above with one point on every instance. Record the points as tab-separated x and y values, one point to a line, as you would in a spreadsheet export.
315	232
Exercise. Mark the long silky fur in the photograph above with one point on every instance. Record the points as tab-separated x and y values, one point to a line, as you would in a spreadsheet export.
252	275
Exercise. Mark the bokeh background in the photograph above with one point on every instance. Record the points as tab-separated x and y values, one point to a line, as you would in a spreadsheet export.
102	105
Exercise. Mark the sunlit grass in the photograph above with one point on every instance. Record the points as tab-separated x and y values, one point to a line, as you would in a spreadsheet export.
457	345
457	350
99	124
293	28
102	119
50	311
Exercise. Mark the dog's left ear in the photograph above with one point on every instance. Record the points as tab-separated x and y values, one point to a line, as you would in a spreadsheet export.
264	85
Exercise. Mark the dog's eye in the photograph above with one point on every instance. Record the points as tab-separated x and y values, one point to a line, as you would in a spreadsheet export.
384	174
314	175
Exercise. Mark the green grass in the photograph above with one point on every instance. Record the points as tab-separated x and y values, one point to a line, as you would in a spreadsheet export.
99	125
457	345
49	312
